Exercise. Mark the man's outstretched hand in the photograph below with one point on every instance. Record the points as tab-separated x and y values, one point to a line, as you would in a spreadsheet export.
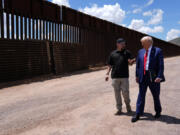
131	61
107	78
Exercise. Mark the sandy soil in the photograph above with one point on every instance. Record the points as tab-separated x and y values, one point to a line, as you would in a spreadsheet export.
84	104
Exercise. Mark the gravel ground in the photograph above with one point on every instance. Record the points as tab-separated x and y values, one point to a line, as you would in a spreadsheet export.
84	104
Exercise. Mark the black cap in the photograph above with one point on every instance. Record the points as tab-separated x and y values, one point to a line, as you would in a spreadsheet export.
121	40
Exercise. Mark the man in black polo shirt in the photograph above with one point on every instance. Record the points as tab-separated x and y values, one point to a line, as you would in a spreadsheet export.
118	61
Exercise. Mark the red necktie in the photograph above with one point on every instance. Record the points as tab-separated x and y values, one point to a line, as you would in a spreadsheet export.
145	61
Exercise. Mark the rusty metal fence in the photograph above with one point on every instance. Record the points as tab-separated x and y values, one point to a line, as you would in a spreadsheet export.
38	37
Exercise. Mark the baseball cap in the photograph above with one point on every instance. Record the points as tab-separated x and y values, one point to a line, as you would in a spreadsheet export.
121	40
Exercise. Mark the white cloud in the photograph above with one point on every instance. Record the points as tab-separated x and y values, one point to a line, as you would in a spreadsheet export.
62	2
136	24
137	10
141	26
156	16
179	22
147	13
112	13
155	29
150	2
151	26
124	25
172	34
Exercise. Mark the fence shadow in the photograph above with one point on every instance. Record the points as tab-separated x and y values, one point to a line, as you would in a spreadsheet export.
43	78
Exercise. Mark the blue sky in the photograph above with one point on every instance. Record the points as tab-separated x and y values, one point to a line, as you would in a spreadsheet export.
159	18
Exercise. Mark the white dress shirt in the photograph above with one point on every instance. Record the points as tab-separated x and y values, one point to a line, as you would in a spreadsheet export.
148	57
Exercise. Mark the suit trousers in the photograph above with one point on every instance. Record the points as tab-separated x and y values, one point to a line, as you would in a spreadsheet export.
155	90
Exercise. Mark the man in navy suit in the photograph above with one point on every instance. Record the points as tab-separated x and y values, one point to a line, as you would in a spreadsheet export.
149	73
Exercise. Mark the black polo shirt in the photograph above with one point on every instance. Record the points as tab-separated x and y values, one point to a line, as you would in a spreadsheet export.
118	60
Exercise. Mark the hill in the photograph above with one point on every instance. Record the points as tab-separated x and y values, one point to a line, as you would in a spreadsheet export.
176	41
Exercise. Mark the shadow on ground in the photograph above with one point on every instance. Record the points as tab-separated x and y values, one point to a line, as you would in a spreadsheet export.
164	118
149	117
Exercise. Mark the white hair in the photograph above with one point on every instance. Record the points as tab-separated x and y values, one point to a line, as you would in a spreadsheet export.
147	38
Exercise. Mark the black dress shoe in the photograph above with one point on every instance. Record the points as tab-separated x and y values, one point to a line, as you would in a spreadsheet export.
135	118
157	115
118	112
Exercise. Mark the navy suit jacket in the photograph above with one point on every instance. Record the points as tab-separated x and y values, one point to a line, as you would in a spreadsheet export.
156	63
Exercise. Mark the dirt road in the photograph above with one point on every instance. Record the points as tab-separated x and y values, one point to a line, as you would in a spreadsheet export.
84	104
